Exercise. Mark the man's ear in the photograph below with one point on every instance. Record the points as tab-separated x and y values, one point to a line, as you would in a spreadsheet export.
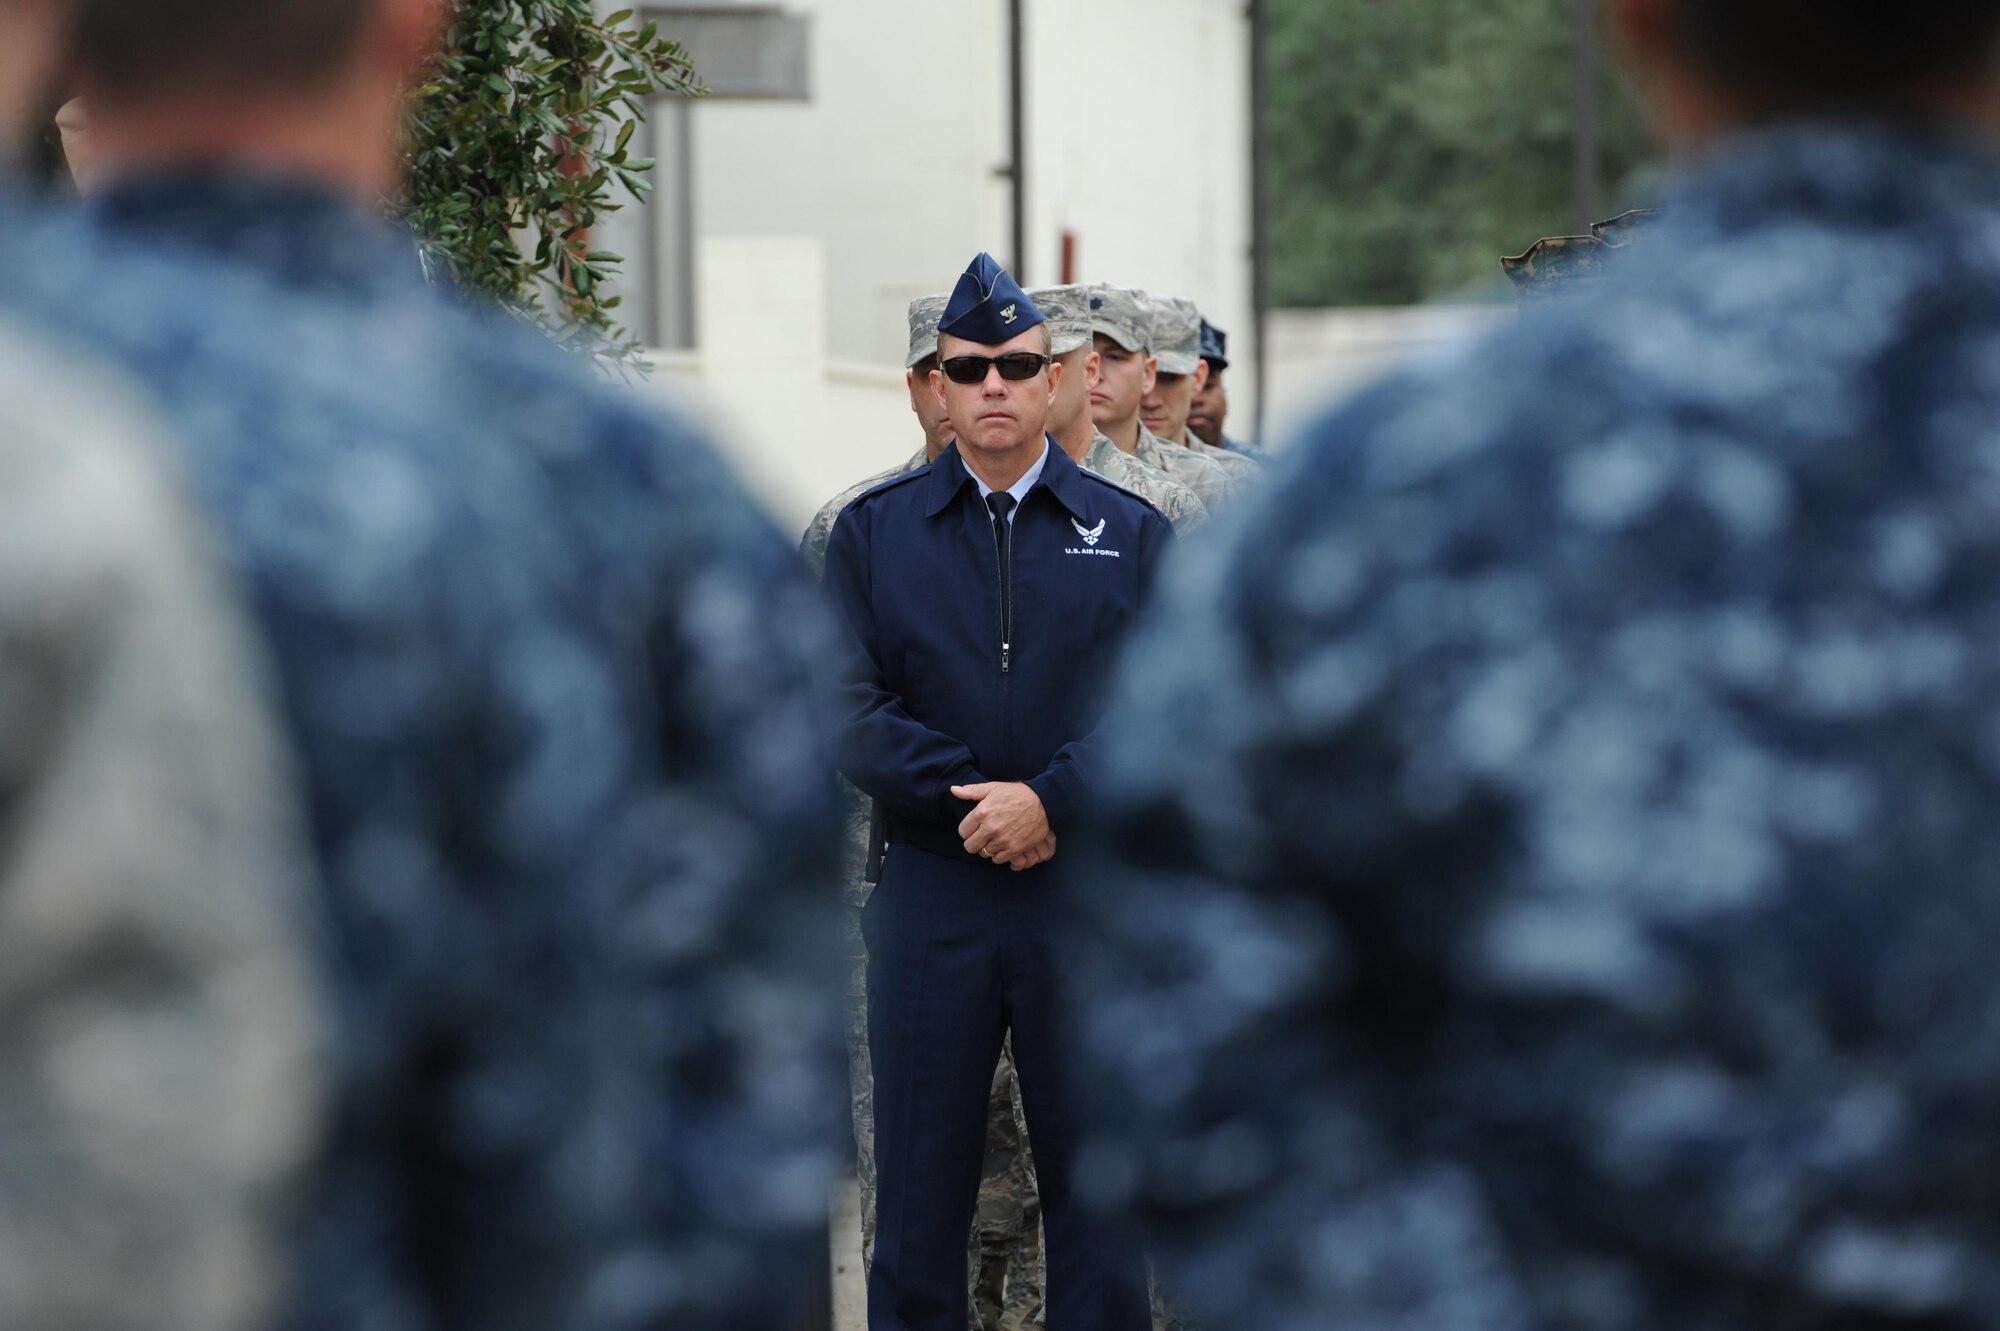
937	390
1200	375
1055	379
1152	374
1093	370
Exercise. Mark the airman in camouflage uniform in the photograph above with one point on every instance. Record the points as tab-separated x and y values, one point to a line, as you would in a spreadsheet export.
858	868
1177	347
812	547
917	366
1216	486
1068	311
1182	506
159	1080
1121	322
548	675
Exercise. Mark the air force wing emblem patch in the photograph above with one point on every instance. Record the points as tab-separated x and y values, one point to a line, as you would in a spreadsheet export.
1091	535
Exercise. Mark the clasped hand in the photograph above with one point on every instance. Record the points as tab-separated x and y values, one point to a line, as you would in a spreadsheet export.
1010	826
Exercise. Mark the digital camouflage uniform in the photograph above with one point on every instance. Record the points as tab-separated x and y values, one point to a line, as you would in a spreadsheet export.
1073	328
812	546
1216	484
1562	265
1181	505
1125	315
858	871
857	874
160	1076
548	672
1549	875
1243	468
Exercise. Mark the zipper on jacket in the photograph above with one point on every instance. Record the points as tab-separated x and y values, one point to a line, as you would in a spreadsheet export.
1003	557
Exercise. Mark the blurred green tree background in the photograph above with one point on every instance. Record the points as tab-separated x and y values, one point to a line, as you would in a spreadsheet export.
1414	142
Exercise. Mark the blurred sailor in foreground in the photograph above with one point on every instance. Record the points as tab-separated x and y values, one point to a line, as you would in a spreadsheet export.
546	668
1553	842
984	592
160	1080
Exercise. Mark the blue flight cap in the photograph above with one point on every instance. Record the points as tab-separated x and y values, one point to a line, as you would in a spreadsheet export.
988	306
1214	346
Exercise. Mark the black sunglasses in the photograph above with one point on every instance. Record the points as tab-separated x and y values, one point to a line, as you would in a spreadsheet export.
1015	367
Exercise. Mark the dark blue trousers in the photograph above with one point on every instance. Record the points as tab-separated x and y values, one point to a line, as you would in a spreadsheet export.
959	954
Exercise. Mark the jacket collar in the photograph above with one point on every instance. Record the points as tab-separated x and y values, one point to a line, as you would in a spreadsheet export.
298	231
1855	173
1060	477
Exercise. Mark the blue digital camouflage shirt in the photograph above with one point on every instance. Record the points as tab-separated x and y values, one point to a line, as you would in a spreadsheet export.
1555	838
546	667
1251	451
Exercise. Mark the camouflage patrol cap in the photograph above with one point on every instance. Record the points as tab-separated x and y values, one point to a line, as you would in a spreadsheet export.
1176	334
1122	314
1068	311
925	314
1626	228
1562	264
1554	266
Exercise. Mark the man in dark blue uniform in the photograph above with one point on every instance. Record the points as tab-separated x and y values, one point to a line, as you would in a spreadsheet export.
1208	421
986	592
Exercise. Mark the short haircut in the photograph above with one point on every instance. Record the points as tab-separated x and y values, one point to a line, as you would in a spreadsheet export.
1833	51
923	368
138	48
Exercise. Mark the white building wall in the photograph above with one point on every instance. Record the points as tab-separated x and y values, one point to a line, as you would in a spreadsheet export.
1321	357
1140	143
886	183
889	167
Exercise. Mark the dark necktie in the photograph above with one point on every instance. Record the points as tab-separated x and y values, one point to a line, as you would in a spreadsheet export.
1000	504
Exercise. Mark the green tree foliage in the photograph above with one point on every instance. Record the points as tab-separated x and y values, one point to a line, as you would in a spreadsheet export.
1414	142
519	143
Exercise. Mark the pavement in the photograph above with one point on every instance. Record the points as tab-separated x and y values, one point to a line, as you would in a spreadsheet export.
850	1279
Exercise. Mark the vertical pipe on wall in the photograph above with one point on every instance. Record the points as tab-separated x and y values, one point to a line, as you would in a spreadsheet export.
1589	86
1260	204
1017	129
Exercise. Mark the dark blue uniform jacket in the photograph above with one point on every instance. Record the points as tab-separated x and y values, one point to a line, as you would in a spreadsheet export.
940	689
